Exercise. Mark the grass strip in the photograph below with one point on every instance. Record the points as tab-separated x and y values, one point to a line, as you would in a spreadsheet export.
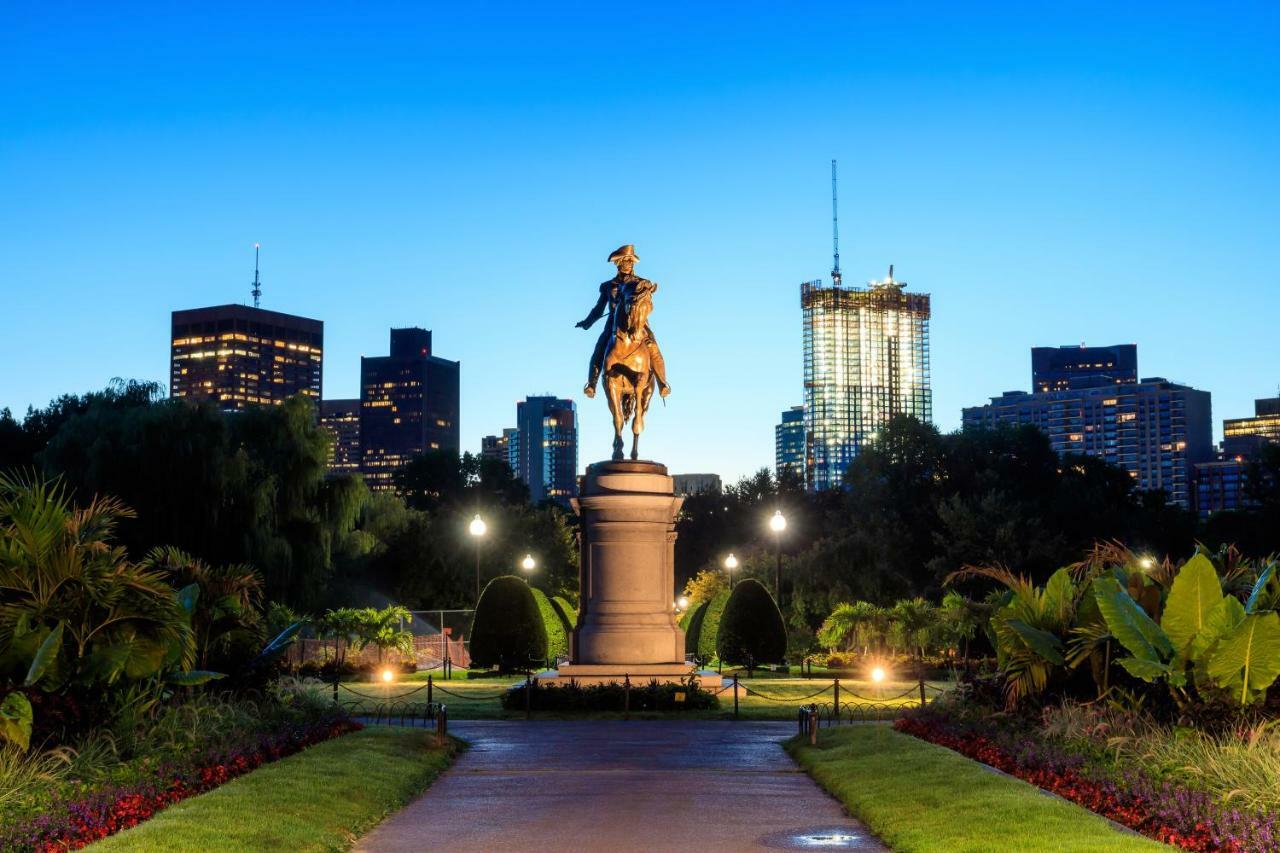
320	799
921	797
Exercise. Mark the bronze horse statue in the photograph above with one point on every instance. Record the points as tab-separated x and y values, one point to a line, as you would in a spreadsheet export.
629	380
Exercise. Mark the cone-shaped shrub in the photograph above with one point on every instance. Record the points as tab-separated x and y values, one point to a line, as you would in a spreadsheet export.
751	628
557	627
508	630
710	627
691	623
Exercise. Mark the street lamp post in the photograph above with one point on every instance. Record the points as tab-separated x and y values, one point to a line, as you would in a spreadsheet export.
730	564
528	564
477	529
778	524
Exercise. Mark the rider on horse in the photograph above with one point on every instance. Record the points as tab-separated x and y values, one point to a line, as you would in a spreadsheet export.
616	294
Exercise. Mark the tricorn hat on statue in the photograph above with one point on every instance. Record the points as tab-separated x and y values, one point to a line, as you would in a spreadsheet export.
627	251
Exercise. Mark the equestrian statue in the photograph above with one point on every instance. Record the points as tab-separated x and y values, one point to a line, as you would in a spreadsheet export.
626	354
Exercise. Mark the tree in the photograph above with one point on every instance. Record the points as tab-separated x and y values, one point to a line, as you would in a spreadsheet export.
507	630
751	631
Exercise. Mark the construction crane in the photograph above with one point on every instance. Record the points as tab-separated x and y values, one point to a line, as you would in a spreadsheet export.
836	276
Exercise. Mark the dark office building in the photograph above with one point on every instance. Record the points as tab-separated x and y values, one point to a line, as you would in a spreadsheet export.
408	406
1060	368
342	419
545	447
1222	484
788	443
1154	429
237	356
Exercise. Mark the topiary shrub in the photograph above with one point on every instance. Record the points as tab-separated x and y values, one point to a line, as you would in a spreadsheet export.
751	628
709	630
556	626
508	630
691	623
566	610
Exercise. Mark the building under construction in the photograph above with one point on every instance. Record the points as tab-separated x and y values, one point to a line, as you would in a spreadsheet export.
866	359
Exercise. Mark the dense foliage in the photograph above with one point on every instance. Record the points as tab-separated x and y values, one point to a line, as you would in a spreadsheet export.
919	505
508	630
555	624
253	489
751	630
1203	633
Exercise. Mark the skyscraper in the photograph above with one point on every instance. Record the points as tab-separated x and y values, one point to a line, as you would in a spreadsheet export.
544	446
1059	368
1154	429
408	406
788	443
866	359
237	356
342	419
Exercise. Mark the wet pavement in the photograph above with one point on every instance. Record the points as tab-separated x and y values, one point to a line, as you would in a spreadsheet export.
621	786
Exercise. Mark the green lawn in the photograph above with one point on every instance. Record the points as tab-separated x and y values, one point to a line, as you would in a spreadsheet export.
322	798
922	797
769	698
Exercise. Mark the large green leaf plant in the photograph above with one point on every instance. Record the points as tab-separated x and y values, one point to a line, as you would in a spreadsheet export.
1205	640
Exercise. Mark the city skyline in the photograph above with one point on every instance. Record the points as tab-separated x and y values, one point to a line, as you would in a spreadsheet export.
1050	181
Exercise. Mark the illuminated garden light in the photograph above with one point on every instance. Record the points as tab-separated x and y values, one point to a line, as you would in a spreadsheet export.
388	675
877	674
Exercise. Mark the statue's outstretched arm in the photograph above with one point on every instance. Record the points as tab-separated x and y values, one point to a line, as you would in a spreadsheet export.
597	312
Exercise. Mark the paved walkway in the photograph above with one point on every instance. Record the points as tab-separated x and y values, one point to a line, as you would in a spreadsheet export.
621	786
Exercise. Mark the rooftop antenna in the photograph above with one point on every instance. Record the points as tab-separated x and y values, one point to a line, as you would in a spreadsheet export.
257	284
836	277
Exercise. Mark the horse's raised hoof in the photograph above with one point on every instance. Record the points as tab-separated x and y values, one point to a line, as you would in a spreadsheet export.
589	390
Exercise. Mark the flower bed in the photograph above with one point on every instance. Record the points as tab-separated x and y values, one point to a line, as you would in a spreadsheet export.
115	807
1173	814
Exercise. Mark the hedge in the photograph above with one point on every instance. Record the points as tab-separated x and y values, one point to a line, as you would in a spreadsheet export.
508	630
751	629
556	627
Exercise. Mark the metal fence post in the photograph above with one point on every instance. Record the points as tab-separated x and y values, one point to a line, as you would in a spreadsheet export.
735	695
528	699
442	725
922	699
430	688
813	725
835	708
626	697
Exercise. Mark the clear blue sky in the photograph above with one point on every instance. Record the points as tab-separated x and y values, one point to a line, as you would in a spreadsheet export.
1097	172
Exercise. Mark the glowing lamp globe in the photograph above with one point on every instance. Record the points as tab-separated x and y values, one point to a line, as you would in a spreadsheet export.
387	675
778	523
877	675
528	563
731	562
477	526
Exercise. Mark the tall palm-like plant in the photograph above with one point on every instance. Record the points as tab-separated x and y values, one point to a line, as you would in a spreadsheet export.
855	625
1028	628
918	620
224	603
73	608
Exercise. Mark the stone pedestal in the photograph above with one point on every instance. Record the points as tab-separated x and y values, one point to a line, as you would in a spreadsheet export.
626	625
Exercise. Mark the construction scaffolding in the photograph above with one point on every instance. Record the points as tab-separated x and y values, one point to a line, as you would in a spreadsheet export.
866	359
